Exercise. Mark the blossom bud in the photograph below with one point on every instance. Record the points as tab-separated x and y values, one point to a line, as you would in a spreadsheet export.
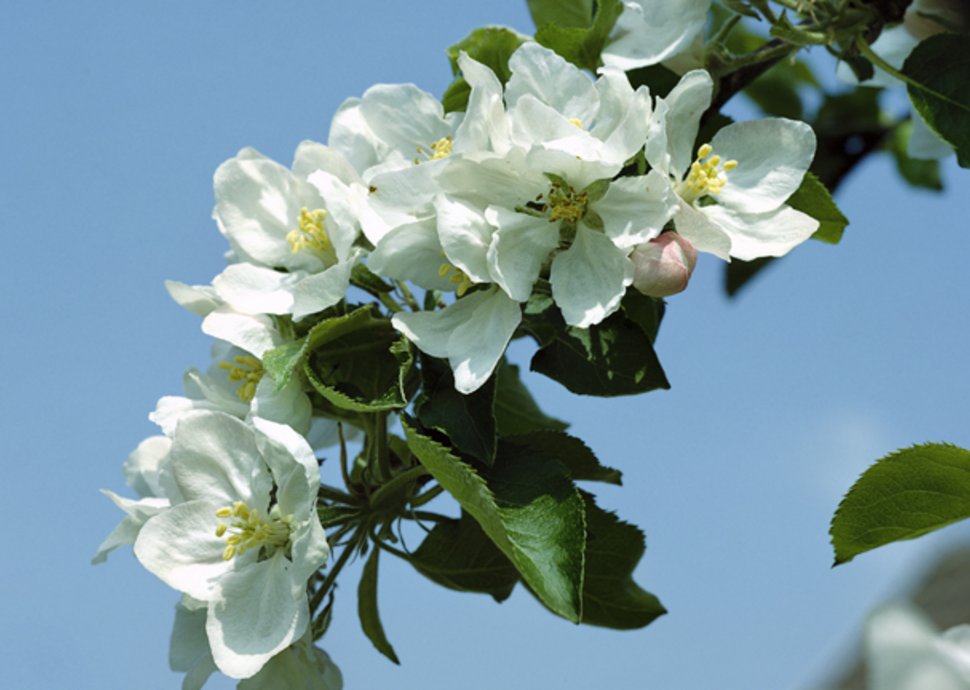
663	265
925	18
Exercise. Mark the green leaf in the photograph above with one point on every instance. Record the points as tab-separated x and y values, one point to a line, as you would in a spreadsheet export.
567	450
917	172
358	362
490	45
611	598
516	411
738	273
370	619
577	13
940	66
646	312
582	46
903	496
362	276
530	510
281	362
814	199
467	420
615	357
458	555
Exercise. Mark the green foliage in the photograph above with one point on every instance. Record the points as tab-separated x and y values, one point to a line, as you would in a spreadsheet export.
490	45
615	357
578	13
357	362
567	450
582	45
813	198
917	172
458	555
940	66
467	420
516	411
530	510
370	619
610	596
903	496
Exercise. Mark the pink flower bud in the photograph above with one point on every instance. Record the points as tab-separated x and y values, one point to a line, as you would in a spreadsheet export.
663	265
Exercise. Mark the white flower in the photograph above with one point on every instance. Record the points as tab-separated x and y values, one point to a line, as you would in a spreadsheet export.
652	31
732	195
188	649
147	472
303	666
905	652
236	542
274	218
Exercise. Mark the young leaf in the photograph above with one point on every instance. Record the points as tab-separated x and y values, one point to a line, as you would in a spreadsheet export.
583	46
516	411
903	496
814	199
577	13
492	46
611	598
458	555
940	66
467	420
568	450
530	510
370	619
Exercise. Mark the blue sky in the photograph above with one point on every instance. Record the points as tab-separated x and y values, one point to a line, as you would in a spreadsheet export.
113	118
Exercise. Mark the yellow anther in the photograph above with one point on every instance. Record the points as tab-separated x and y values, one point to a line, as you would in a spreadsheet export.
224	512
249	530
439	149
228	553
221	529
444	269
311	235
566	204
576	121
458	277
249	371
707	176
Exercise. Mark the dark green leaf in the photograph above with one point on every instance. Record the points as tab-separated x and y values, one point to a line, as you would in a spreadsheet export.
370	619
457	554
578	13
363	277
903	496
516	411
467	420
567	450
611	598
582	46
612	358
281	362
741	7
940	66
917	172
530	510
358	362
492	46
814	199
738	273
646	312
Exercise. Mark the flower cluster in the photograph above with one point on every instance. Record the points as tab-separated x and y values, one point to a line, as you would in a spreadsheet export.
553	183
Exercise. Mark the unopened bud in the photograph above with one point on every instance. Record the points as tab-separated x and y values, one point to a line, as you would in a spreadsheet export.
662	266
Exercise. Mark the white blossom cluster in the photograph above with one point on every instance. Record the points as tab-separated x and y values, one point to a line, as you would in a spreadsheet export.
522	188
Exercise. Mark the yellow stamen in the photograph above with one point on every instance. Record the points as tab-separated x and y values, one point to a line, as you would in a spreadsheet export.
566	204
458	277
439	149
249	371
311	235
576	121
706	177
250	530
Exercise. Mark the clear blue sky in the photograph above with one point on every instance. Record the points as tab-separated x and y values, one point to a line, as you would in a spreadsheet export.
113	117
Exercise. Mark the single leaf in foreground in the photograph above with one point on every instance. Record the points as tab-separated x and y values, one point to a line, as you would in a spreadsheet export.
370	619
813	199
903	496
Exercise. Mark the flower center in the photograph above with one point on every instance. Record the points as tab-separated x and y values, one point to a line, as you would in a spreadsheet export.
439	149
457	276
248	370
247	529
565	203
708	175
311	235
576	121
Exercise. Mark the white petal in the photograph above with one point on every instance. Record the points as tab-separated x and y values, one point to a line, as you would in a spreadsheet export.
256	617
772	154
519	247
484	127
471	333
254	333
411	252
685	105
766	234
137	513
536	124
198	299
321	290
351	136
309	548
404	116
215	458
180	546
188	650
284	449
649	31
590	278
311	156
143	466
256	290
624	115
700	231
465	235
287	406
170	408
635	209
539	72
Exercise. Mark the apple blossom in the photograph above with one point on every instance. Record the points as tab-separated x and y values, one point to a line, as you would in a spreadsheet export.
652	31
662	266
